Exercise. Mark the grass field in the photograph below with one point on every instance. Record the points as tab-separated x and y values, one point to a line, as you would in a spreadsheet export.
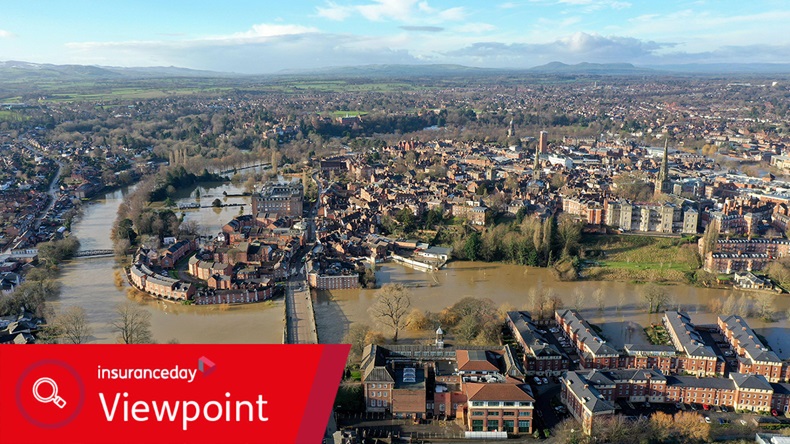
11	116
640	258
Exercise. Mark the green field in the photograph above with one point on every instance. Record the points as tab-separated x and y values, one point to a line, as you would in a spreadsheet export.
11	116
640	258
349	113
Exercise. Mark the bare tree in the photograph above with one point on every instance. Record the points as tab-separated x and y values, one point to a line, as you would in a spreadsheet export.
766	306
392	307
743	308
655	297
72	325
133	324
537	301
728	308
578	299
600	300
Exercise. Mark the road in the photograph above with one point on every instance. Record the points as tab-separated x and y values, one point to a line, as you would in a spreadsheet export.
300	317
299	310
52	192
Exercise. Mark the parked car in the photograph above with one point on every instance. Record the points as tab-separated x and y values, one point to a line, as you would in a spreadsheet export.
707	419
705	407
742	421
724	409
545	380
537	380
722	421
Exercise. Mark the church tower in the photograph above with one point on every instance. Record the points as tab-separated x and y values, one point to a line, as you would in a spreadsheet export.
663	185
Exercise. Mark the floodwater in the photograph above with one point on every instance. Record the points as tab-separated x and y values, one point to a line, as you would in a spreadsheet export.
90	283
622	319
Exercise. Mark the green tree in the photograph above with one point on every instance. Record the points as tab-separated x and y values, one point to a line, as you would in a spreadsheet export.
472	246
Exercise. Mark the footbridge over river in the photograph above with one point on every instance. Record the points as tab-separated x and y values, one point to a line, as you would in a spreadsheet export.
93	253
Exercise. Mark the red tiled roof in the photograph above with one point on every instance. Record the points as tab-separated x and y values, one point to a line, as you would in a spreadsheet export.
495	392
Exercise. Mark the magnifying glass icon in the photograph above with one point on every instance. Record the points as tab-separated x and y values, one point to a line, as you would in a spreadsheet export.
54	398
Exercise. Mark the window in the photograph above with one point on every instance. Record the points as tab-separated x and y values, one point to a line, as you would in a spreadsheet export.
494	403
492	425
525	404
477	403
509	403
384	394
525	414
441	407
508	413
523	425
478	412
477	425
508	425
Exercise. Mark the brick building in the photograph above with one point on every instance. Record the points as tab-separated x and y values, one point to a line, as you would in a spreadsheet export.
593	394
278	198
540	356
754	357
700	359
593	351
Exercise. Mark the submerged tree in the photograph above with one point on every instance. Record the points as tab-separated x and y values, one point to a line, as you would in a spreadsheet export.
392	307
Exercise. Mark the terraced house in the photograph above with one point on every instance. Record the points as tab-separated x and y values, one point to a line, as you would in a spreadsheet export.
593	394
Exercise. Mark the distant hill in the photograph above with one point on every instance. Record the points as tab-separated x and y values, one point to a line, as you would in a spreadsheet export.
393	71
726	68
18	71
591	68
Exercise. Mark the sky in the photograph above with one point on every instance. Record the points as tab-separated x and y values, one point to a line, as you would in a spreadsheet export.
263	36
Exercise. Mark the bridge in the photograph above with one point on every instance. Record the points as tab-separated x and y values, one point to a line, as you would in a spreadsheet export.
300	325
94	253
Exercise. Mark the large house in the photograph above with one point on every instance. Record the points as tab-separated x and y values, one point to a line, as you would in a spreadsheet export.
483	389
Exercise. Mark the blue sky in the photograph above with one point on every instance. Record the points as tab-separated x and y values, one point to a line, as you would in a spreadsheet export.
267	36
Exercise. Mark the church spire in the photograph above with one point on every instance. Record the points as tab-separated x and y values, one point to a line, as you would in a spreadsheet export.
662	179
536	165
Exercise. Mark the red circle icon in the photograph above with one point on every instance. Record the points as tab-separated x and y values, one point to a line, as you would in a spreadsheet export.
50	394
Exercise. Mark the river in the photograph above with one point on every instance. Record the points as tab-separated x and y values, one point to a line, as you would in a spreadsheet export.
90	283
511	284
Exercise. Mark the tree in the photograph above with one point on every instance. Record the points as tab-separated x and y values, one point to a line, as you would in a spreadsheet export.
600	300
655	297
419	320
132	323
569	233
392	307
472	246
72	325
356	337
578	299
766	306
709	238
467	329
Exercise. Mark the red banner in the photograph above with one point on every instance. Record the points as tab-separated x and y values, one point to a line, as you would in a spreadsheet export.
168	393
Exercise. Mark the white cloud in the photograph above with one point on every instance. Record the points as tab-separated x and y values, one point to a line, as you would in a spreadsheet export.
271	30
5	34
474	28
398	10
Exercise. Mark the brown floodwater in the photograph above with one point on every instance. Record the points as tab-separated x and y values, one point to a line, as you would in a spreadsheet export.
90	283
622	319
